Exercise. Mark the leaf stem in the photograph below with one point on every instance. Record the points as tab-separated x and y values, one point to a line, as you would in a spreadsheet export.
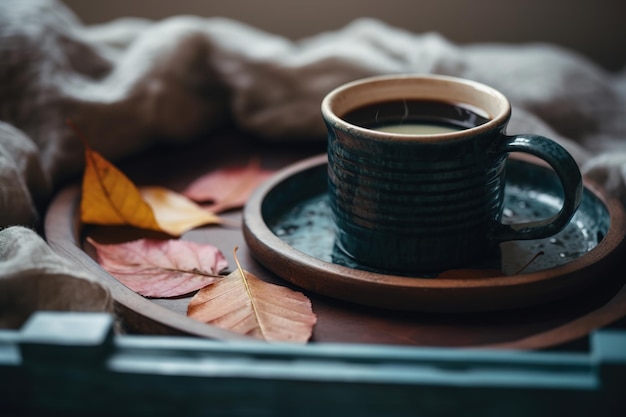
245	282
79	134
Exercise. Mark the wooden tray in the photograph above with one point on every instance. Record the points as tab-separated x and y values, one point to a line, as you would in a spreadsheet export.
540	326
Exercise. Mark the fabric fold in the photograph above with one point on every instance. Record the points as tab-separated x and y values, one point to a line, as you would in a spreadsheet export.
34	277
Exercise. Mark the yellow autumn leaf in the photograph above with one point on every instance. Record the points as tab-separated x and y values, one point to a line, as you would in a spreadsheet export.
174	212
110	198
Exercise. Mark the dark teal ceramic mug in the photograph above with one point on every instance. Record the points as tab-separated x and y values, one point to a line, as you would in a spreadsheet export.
416	172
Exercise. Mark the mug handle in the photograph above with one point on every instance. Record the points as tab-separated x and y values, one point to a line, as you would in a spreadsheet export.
568	173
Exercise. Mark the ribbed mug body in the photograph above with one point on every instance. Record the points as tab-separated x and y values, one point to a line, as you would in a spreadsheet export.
408	206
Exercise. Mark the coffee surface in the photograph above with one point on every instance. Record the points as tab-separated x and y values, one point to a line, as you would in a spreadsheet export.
417	117
418	128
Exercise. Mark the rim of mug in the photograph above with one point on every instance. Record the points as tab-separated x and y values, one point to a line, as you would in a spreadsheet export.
496	119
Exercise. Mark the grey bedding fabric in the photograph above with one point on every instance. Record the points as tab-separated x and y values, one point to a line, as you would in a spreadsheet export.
131	83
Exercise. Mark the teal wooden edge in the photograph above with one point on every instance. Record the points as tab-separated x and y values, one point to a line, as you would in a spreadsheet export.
74	364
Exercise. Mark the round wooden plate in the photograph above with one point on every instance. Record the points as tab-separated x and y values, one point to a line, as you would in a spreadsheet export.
288	226
561	321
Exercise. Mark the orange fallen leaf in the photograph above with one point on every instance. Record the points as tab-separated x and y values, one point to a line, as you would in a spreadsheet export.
161	268
228	188
110	198
248	305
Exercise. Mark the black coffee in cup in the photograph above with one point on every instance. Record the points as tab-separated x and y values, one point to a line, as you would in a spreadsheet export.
417	117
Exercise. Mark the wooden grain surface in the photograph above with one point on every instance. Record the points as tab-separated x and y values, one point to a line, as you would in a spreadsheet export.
560	322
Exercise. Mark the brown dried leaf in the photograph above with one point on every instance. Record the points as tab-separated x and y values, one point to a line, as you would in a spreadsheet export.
248	305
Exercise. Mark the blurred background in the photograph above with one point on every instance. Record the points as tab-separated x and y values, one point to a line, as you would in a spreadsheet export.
594	28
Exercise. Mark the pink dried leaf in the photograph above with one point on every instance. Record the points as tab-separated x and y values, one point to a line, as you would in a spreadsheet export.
161	268
227	188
